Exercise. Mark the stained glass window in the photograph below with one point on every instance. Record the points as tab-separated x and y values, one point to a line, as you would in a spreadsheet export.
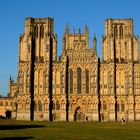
104	106
71	82
79	76
35	106
53	106
118	107
57	105
122	107
39	106
87	82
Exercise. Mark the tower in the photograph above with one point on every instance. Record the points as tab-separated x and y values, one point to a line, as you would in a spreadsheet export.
82	76
37	52
120	54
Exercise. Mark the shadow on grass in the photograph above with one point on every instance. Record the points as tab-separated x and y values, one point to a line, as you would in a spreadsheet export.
16	138
14	127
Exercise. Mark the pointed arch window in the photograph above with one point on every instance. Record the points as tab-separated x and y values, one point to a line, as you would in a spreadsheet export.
27	106
6	103
79	78
57	105
118	107
87	81
41	31
71	81
46	105
121	31
35	106
53	106
39	106
36	31
122	107
1	103
104	106
115	32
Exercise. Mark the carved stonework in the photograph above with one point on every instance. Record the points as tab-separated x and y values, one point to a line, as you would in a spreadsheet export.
77	87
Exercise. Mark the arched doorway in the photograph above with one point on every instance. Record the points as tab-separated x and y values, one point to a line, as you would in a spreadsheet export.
8	114
79	116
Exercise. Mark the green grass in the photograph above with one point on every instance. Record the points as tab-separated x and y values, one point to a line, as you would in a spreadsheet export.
23	130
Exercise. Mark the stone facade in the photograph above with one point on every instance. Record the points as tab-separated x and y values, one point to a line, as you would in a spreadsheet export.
8	104
120	71
79	86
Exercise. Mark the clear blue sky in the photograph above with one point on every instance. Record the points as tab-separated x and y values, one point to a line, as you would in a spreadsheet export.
76	13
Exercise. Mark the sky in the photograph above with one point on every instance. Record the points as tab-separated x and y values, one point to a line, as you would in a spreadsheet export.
75	13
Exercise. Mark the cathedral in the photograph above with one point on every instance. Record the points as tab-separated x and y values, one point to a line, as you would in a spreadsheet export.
79	86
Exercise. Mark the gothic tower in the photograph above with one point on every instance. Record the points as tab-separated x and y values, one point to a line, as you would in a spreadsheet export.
37	51
78	86
120	54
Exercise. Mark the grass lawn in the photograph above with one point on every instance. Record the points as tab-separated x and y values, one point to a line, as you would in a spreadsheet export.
24	130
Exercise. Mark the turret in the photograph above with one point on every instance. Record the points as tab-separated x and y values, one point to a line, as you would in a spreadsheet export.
67	29
87	34
94	43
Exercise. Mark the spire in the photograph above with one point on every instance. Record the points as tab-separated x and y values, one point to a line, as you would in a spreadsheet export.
79	34
94	43
73	30
79	31
87	35
10	78
86	29
67	29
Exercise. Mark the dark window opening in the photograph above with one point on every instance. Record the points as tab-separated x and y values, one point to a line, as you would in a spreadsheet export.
79	77
36	31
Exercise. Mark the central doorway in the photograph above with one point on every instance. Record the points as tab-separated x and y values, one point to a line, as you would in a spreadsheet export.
79	116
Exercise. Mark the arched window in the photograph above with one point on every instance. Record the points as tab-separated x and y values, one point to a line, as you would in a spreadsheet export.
71	82
53	106
35	106
39	106
36	31
62	105
104	106
57	105
23	106
27	106
46	105
122	107
121	32
118	107
1	103
41	31
79	77
6	103
19	106
115	32
87	81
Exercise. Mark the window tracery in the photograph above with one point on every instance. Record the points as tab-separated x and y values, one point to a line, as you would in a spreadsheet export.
79	77
36	31
41	31
71	82
87	81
